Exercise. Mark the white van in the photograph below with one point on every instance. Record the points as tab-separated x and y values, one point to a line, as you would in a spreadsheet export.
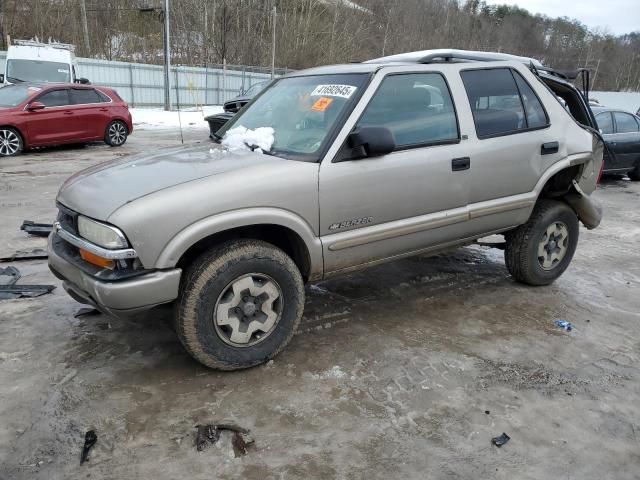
34	61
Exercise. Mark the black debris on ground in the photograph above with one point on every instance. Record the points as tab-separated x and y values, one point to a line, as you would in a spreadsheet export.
35	254
501	440
9	288
86	312
37	229
90	439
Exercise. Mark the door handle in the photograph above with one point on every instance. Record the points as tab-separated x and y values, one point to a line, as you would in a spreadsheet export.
549	147
68	113
103	109
462	163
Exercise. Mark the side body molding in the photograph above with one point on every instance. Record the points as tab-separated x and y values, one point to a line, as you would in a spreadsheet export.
205	227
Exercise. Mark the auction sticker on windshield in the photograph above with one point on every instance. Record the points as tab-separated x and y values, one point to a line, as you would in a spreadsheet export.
344	91
321	104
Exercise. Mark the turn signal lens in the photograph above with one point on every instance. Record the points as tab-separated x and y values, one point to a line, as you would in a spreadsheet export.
96	260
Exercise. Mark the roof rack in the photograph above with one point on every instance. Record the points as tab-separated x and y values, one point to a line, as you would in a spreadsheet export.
452	55
50	44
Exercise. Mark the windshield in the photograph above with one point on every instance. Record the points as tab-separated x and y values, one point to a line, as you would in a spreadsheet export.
302	111
254	89
14	95
37	71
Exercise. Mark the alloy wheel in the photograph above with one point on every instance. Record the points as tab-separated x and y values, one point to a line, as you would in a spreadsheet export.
248	310
553	245
9	142
117	133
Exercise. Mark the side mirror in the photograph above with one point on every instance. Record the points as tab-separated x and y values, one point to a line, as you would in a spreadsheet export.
84	81
368	142
1	77
33	106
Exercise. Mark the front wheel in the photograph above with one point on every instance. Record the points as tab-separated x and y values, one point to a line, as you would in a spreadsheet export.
635	173
239	305
540	250
10	142
116	134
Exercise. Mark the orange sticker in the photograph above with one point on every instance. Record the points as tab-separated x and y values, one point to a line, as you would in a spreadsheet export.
321	104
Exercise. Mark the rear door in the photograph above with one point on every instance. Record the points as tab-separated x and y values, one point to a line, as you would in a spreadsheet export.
54	123
626	140
514	145
90	112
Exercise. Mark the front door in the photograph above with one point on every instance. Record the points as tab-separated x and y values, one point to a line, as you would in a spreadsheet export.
408	200
54	123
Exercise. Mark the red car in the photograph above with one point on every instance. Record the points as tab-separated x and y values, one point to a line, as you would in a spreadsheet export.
37	115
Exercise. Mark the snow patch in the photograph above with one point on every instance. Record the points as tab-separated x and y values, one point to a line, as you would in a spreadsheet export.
242	138
156	118
334	372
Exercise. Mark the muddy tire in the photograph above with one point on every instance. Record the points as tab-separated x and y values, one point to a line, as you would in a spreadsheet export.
539	251
635	173
10	142
116	133
239	304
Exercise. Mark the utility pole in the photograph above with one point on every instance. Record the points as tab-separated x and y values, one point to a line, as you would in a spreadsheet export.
167	59
273	46
85	27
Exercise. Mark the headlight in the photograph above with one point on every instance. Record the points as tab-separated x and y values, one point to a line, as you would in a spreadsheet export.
104	235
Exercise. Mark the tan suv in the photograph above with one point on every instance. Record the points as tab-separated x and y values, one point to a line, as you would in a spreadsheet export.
329	170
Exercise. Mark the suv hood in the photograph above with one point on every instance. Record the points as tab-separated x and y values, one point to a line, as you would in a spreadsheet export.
100	190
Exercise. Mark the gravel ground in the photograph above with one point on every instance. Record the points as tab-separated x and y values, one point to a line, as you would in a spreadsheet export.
405	370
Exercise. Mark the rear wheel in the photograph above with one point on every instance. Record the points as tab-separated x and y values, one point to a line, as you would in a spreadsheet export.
10	142
116	134
539	251
239	305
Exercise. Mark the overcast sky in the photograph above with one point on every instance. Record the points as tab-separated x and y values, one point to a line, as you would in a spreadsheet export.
618	16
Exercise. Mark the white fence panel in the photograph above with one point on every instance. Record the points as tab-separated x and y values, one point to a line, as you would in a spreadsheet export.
142	85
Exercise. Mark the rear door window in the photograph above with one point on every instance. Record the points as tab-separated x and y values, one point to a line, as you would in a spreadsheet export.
625	122
416	107
498	99
80	96
55	98
605	122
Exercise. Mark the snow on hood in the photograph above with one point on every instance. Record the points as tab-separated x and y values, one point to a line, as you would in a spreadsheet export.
242	138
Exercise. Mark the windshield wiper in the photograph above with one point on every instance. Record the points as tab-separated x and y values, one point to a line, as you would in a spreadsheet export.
254	147
15	80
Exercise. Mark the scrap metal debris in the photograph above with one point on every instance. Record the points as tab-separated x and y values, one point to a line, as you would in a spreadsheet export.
90	439
564	325
35	254
9	289
37	229
501	440
210	434
12	272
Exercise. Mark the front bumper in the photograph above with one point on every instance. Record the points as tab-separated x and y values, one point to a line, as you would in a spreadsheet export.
118	297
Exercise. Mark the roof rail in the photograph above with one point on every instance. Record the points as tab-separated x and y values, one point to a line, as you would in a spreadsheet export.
50	44
452	55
